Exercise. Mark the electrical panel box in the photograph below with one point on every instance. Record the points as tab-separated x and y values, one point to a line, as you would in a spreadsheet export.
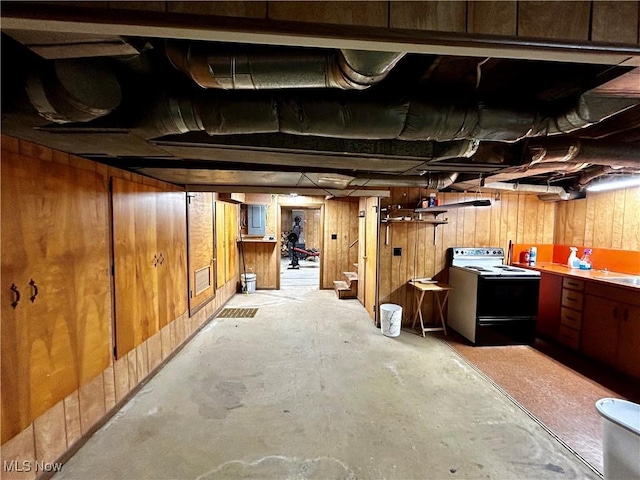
256	219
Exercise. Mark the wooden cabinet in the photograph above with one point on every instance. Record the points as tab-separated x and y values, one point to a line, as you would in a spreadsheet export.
201	259
55	254
149	244
549	301
611	327
571	313
226	237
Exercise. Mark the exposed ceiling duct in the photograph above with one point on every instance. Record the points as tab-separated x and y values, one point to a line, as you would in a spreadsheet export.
65	91
437	181
259	68
360	116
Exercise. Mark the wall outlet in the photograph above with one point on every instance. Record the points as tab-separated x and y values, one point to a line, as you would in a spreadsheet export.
334	236
397	251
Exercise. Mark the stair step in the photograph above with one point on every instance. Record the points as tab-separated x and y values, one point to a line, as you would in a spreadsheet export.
344	290
351	276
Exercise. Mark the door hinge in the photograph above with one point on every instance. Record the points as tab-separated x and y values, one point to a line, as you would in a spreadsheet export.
115	352
113	270
190	293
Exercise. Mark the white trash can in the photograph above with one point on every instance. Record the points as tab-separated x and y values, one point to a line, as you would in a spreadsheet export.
620	439
390	319
248	282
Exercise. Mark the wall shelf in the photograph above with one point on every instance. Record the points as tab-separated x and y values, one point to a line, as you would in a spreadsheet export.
435	211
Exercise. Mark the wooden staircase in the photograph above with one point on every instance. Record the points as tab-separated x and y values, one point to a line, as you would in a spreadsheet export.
347	288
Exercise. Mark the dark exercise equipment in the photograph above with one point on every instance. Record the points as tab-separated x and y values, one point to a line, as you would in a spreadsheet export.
292	238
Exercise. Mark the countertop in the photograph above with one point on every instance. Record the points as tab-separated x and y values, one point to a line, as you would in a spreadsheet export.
591	275
265	239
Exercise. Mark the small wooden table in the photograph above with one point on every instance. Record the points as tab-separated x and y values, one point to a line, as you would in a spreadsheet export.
436	289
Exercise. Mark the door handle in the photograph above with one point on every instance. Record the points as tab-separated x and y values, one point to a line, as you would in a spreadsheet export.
16	295
35	291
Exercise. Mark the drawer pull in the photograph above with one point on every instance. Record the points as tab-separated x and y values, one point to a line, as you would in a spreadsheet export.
16	295
35	291
572	299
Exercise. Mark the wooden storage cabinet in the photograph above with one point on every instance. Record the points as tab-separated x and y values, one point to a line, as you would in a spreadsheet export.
149	243
548	323
571	313
55	252
611	327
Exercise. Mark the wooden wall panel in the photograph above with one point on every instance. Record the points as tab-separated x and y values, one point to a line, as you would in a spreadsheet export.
492	17
54	232
263	259
341	218
252	9
519	218
559	20
602	220
200	239
445	16
365	13
615	22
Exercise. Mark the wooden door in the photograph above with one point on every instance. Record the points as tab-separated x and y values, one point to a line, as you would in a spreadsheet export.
231	231
599	337
171	235
201	259
549	305
221	244
55	232
628	355
371	255
135	263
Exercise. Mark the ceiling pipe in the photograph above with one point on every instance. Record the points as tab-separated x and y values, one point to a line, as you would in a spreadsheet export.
258	68
437	181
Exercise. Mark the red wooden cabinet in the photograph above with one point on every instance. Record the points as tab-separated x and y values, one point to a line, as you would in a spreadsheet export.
549	306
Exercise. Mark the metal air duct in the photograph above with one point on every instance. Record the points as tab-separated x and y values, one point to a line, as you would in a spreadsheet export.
258	68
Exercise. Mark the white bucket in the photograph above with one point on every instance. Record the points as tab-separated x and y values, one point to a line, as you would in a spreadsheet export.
390	319
621	438
248	282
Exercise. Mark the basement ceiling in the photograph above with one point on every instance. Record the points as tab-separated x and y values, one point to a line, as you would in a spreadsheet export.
229	116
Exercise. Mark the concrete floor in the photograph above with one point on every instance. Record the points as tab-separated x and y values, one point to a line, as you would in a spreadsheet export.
309	388
308	275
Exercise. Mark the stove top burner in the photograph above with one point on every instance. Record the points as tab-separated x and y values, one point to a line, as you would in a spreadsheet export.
507	268
479	269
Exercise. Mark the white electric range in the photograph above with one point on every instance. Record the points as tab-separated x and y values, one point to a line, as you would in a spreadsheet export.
491	303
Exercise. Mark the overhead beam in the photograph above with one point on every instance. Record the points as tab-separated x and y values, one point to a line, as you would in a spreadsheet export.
241	30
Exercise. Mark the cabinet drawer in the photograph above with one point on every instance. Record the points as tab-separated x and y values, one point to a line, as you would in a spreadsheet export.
571	318
573	284
571	299
569	337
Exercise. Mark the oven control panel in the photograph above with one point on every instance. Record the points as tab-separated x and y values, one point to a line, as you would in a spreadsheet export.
478	252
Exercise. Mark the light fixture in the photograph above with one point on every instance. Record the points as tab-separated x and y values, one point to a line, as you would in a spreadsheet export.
292	194
617	184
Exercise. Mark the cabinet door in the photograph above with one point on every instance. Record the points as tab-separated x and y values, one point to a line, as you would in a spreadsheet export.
549	305
135	260
54	232
628	359
171	224
201	264
231	230
600	328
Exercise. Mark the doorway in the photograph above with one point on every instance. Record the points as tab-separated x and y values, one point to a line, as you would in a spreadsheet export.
301	246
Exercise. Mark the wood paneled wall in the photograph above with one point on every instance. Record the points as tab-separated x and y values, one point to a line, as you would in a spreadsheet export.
78	307
580	21
55	234
340	219
601	220
519	218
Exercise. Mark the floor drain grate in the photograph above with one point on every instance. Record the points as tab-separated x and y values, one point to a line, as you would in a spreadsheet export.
238	313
